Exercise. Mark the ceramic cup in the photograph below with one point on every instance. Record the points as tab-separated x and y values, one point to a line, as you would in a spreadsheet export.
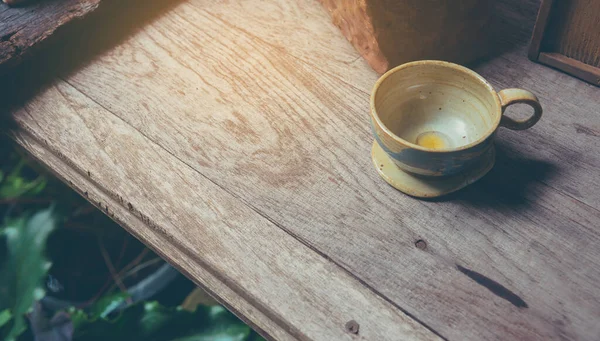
434	118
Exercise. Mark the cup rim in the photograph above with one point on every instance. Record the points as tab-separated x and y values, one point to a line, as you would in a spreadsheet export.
483	81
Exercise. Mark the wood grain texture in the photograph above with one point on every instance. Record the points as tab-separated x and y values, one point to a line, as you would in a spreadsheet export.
217	108
539	29
22	28
567	37
574	30
571	66
288	289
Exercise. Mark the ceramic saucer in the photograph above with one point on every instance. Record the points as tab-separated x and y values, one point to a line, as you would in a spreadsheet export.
423	186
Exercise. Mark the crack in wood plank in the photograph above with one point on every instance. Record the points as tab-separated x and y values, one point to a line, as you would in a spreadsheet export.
264	215
273	108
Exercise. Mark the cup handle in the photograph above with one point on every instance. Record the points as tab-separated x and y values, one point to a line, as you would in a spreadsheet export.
513	96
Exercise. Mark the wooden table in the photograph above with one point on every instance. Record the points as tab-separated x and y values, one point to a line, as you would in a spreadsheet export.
233	138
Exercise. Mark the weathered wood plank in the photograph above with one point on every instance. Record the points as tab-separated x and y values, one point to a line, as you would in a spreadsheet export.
574	31
515	20
512	22
293	143
21	28
307	34
281	127
288	290
567	140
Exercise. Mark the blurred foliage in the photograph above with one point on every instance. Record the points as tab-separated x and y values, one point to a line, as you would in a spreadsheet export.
35	208
23	269
153	322
14	185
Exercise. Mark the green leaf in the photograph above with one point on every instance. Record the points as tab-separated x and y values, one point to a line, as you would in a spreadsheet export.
151	321
16	184
37	186
154	318
5	316
79	318
107	305
236	332
24	269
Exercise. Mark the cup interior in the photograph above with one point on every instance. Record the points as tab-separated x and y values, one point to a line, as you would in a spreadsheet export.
436	105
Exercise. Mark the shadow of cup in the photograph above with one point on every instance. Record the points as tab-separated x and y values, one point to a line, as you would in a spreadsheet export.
507	185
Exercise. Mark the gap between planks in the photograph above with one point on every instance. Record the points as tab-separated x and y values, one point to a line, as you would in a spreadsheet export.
312	65
27	139
220	186
262	214
331	74
303	62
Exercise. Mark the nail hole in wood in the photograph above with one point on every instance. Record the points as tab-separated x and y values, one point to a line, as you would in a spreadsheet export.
352	327
421	244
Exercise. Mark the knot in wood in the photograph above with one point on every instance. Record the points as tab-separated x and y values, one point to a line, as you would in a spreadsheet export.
352	327
421	244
